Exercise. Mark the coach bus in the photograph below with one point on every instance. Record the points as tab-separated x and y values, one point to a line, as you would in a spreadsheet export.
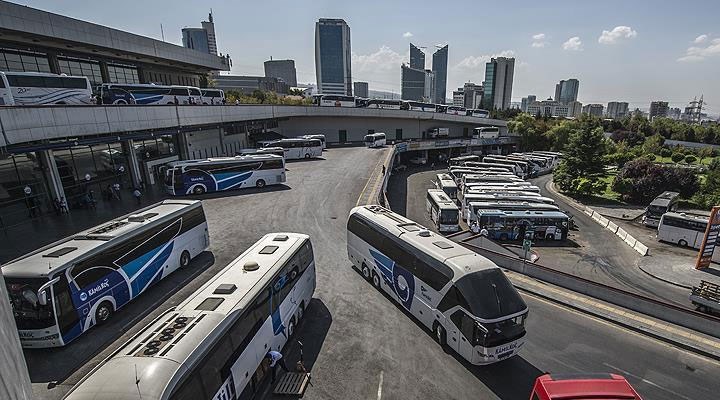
491	166
446	183
479	113
513	225
334	100
486	132
278	151
502	187
500	194
375	140
685	230
462	159
665	202
213	96
461	296
140	93
212	344
455	110
224	173
298	148
386	104
504	205
442	210
38	88
418	106
519	167
63	289
318	136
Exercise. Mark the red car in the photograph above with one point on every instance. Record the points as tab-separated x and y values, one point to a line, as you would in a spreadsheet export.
583	386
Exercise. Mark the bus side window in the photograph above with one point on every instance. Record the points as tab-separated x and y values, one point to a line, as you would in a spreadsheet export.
191	389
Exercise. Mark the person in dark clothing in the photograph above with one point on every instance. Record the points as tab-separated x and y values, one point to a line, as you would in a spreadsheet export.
276	358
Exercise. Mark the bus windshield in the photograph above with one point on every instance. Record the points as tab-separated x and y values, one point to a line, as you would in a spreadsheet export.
449	217
490	294
28	312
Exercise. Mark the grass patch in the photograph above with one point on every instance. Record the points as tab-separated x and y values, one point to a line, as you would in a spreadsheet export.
607	198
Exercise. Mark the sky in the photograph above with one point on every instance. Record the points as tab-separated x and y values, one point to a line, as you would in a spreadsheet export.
635	51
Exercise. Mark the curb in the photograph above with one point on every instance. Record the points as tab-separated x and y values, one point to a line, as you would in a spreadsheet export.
663	279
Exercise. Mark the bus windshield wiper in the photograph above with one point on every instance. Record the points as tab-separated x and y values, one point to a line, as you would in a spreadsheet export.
497	298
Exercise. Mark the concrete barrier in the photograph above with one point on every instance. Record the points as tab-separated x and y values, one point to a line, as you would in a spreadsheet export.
612	227
621	233
603	221
589	211
641	248
631	241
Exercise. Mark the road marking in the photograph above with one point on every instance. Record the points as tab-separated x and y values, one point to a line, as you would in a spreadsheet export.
647	381
380	385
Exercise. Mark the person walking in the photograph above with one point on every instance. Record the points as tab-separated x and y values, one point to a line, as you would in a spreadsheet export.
474	227
484	232
137	194
276	358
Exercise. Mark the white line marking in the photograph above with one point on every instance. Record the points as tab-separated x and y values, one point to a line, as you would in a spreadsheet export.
380	386
647	381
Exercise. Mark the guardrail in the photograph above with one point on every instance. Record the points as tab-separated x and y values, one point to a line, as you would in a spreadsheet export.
382	196
707	324
618	231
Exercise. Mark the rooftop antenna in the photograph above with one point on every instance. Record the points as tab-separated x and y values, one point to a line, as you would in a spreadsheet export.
137	382
162	33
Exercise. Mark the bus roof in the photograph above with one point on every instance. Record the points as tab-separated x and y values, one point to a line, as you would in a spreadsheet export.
205	313
54	257
527	205
219	160
665	199
442	199
688	217
527	213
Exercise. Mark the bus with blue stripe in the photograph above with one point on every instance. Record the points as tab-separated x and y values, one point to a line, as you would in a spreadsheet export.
149	94
223	173
60	291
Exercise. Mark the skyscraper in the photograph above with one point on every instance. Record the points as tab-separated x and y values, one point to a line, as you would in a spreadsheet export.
472	95
616	109
566	91
497	92
209	27
332	57
417	57
439	69
201	39
361	89
658	109
416	84
282	69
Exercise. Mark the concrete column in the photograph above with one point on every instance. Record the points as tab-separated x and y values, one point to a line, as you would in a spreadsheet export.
104	73
52	175
221	140
133	164
15	382
54	64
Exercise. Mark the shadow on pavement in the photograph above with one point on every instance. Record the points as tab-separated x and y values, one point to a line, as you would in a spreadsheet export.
55	365
236	192
301	160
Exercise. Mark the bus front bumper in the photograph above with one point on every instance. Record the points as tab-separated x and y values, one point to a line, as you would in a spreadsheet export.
490	355
40	338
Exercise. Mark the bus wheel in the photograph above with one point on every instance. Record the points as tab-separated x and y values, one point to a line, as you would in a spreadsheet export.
683	243
199	189
121	102
307	155
260	183
376	280
103	312
365	272
439	334
184	259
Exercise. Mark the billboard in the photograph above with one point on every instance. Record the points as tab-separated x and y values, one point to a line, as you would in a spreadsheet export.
710	240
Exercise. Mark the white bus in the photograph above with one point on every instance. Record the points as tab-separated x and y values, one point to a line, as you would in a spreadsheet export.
447	184
213	96
458	172
386	104
505	205
211	346
686	230
442	210
38	88
462	159
297	148
63	289
494	187
224	173
461	296
514	225
478	112
455	110
278	151
115	93
375	140
469	179
486	132
665	202
334	100
500	195
519	167
418	106
319	137
492	166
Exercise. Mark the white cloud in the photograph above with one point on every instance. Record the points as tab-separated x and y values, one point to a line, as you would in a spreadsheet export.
383	59
695	53
573	44
617	34
539	36
700	39
475	62
538	44
539	40
408	35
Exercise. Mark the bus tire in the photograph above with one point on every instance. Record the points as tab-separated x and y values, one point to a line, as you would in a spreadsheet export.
260	183
121	102
376	281
682	242
439	334
199	189
365	271
307	155
184	259
103	312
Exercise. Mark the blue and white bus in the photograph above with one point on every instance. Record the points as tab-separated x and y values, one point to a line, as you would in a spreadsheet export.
38	88
419	106
226	173
211	346
115	93
63	289
513	225
334	100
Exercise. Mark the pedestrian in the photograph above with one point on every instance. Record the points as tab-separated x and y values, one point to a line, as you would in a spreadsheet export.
175	100
137	194
474	227
484	232
383	170
56	205
116	191
276	358
63	206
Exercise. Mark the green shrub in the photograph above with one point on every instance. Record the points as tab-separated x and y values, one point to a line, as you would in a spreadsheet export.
665	152
690	158
677	157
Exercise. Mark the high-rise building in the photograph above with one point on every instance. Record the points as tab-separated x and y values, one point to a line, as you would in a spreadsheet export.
498	83
417	57
332	57
567	90
472	95
675	113
596	110
209	27
439	69
616	109
458	97
282	69
360	89
416	84
201	39
574	109
658	109
525	101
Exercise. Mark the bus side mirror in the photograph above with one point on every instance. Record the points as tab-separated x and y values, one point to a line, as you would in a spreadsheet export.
42	298
42	291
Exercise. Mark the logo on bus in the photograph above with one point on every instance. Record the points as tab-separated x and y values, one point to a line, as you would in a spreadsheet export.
98	288
511	346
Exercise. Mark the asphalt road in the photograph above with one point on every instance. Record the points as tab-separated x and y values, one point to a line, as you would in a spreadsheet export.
358	344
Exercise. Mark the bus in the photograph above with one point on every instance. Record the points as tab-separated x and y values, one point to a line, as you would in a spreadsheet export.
319	137
462	159
519	167
223	173
458	172
462	297
486	132
469	179
486	170
492	166
297	148
375	140
455	110
334	100
65	288
148	94
212	344
582	386
442	210
387	104
212	96
505	205
498	194
683	229
479	113
418	106
665	202
38	88
446	183
514	225
498	186
278	151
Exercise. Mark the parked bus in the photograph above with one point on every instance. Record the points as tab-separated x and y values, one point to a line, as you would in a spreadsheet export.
387	104
469	179
494	187
505	205
334	100
114	93
319	137
513	225
213	96
462	297
582	386
446	183
500	194
479	113
486	132
458	172
519	167
63	289
375	140
455	110
686	230
418	106
665	202
38	88
297	148
278	151
224	173
492	166
212	344
486	170
442	210
462	159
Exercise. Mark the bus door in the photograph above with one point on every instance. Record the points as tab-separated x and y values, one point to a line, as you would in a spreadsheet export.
5	94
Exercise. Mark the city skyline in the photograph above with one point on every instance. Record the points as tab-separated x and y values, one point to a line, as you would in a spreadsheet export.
629	57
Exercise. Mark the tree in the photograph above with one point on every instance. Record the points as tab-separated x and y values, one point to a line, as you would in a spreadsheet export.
640	181
559	135
665	152
583	160
531	138
677	157
632	138
690	158
705	152
653	144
